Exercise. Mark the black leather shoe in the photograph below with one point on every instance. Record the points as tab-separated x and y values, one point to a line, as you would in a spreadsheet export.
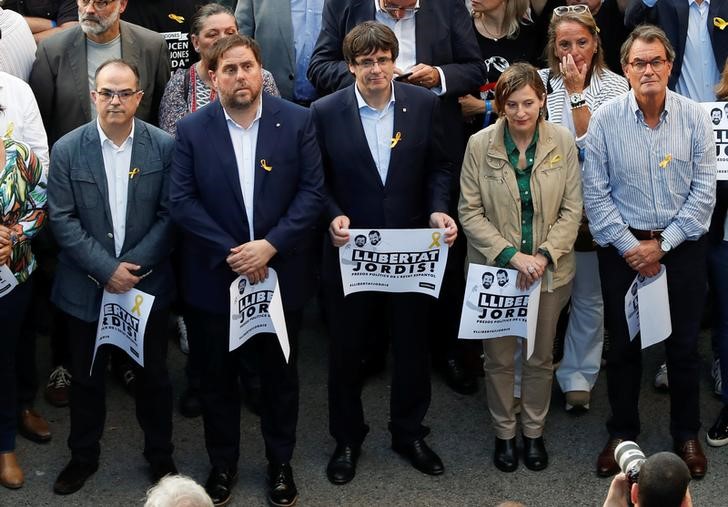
282	490
162	467
189	403
219	484
505	457
421	457
342	465
535	456
458	378
73	477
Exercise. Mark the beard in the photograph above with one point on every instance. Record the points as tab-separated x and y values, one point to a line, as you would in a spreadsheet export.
97	25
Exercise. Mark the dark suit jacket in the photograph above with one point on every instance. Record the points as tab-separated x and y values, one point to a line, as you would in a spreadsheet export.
419	171
672	17
207	204
59	78
78	208
444	38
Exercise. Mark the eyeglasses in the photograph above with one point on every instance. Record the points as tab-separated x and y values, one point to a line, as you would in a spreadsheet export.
398	12
124	95
640	65
98	4
576	9
369	64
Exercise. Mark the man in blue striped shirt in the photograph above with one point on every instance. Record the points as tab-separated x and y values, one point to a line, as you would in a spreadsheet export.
649	191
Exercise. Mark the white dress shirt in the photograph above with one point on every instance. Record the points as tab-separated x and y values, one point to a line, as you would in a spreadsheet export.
17	46
117	164
245	144
21	115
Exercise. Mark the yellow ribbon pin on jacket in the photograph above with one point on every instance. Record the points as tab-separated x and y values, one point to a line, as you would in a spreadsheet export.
720	23
265	166
133	173
396	139
666	160
554	160
177	18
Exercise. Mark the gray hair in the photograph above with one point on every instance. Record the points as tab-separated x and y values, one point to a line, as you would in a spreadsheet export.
177	491
646	33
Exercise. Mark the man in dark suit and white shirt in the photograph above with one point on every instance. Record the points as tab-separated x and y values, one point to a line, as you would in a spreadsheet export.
107	201
246	189
385	168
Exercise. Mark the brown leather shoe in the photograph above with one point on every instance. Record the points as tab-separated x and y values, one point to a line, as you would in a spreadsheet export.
606	465
33	427
58	388
693	456
11	476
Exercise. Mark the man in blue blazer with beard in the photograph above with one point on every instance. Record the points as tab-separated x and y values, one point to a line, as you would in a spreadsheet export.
246	189
385	169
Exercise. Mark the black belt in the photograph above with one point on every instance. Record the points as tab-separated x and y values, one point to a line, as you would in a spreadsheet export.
642	235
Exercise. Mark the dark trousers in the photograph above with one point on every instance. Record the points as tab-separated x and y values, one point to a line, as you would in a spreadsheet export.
220	394
26	372
12	309
718	270
351	320
686	282
88	392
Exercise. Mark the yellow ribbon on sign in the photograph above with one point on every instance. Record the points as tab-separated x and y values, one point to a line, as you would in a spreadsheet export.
435	240
138	300
666	160
133	173
265	166
396	139
175	17
720	23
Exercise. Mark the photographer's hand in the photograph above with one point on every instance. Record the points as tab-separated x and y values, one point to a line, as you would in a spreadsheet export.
618	492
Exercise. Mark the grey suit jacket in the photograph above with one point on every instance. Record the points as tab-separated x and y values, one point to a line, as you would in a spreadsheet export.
59	78
80	217
269	23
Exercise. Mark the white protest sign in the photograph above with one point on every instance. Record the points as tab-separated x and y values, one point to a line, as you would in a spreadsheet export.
718	112
493	306
647	308
393	260
122	322
257	308
7	280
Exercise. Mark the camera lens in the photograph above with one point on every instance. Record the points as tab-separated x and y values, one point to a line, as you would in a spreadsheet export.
630	458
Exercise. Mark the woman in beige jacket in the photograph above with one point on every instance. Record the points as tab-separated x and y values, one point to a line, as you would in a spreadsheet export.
520	207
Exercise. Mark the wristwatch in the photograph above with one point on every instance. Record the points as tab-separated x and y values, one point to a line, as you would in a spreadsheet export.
577	100
665	246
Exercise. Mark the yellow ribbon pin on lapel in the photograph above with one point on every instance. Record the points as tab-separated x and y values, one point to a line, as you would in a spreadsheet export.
720	23
396	139
177	18
138	300
555	159
133	173
666	160
10	129
265	166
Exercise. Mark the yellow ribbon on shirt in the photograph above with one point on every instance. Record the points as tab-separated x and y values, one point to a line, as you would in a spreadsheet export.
666	160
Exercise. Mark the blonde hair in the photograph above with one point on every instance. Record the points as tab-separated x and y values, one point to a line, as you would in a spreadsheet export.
516	11
584	19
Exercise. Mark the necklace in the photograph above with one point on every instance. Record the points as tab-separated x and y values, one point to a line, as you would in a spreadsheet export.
488	33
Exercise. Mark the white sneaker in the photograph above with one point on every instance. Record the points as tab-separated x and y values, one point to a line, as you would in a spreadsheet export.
661	378
184	345
715	374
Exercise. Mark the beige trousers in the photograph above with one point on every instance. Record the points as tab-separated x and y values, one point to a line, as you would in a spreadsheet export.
537	372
